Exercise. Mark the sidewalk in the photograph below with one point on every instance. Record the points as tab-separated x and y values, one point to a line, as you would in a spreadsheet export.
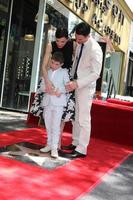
12	121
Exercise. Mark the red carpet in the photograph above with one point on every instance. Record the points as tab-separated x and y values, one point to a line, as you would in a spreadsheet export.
112	122
21	181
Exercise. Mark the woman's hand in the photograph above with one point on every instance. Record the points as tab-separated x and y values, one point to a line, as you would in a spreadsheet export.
49	87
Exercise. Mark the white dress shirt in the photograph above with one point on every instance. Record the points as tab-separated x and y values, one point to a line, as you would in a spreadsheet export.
89	66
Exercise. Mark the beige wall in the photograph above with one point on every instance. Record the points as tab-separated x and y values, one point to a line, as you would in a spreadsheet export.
122	30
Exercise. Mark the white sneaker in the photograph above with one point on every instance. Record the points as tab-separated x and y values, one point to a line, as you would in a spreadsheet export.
45	149
54	153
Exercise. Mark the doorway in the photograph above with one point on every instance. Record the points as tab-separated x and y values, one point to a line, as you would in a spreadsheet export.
4	18
20	48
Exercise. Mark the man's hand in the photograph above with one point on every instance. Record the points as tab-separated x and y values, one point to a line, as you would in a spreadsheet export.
70	86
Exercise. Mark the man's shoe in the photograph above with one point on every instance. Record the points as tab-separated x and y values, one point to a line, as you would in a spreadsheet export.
69	147
45	149
73	154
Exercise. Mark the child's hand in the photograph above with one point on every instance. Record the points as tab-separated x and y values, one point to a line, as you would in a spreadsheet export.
57	93
49	87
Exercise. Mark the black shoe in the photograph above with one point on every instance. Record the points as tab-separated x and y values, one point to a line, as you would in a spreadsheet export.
73	154
69	147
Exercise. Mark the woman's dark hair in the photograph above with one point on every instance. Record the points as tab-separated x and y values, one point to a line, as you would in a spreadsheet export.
61	32
58	57
82	29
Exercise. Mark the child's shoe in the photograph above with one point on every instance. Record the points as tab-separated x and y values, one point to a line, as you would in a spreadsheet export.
54	153
45	149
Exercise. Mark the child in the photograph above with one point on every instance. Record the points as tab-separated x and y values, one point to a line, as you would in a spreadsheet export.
54	103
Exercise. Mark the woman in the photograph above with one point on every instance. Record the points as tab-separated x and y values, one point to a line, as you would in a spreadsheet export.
67	47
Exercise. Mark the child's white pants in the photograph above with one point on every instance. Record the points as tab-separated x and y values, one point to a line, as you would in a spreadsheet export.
52	116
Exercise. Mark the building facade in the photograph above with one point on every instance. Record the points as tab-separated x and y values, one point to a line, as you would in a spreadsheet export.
27	25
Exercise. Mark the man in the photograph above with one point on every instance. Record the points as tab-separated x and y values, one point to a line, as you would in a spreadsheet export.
85	71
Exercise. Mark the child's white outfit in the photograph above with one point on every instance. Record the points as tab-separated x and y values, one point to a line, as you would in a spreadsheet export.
53	109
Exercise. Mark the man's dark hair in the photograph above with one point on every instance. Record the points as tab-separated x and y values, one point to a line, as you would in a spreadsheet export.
58	57
82	29
61	32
